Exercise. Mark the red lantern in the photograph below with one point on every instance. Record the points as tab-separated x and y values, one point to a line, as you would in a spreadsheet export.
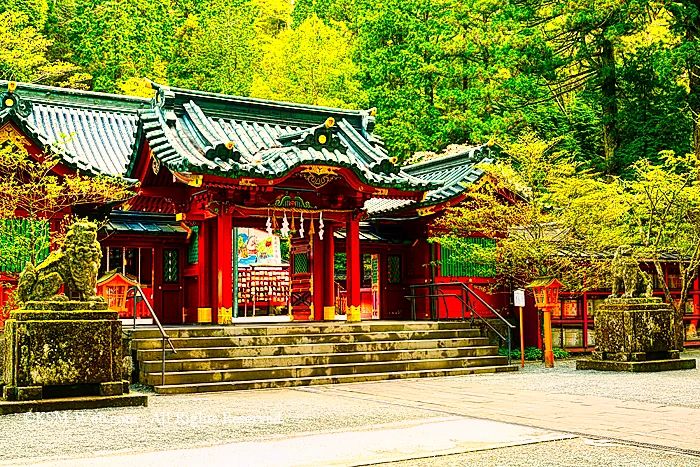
114	287
546	292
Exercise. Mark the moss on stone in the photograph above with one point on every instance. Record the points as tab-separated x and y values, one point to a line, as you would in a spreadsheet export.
40	351
44	315
70	305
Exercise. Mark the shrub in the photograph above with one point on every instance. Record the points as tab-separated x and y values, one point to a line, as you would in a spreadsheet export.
533	353
514	354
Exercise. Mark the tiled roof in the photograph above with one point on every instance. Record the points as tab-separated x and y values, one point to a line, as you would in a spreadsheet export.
191	131
382	205
93	132
456	173
141	222
366	234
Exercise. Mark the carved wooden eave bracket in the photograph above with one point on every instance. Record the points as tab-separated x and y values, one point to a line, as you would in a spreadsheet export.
319	176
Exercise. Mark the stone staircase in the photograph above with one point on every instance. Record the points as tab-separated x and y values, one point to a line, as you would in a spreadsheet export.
228	358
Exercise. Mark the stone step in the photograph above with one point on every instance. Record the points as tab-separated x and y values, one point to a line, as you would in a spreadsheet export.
291	329
196	364
279	340
312	348
316	380
305	371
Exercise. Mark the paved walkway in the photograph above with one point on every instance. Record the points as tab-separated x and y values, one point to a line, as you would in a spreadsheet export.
594	416
537	416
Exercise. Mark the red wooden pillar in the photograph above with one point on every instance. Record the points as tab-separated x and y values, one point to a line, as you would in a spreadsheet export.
354	269
318	248
224	268
329	274
204	268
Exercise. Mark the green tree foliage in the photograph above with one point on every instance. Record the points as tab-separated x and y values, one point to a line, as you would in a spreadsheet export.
400	54
216	49
30	189
311	65
552	219
613	82
113	40
24	49
273	17
546	218
663	203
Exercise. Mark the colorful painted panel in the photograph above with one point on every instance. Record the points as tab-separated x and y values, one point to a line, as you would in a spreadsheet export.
258	248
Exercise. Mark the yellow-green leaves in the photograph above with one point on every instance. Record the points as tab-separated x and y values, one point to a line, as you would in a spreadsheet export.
311	65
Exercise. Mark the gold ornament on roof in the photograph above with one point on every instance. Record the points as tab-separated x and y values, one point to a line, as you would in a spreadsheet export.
319	176
246	182
9	133
426	211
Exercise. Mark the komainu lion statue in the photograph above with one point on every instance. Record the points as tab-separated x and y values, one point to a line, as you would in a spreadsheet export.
76	265
627	274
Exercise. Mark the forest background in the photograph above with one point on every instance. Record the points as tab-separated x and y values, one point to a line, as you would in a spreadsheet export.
596	103
615	81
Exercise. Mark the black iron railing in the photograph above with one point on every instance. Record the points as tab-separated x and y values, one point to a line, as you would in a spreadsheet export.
131	294
466	293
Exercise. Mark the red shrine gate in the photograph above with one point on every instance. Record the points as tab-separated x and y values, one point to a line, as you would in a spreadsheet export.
225	162
209	163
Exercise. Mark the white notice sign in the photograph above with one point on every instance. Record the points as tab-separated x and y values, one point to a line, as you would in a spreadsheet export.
519	297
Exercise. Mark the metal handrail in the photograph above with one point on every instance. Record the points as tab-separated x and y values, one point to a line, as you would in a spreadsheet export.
459	297
163	334
436	286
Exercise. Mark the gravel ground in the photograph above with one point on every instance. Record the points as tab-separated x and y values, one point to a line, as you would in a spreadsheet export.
578	452
208	419
189	420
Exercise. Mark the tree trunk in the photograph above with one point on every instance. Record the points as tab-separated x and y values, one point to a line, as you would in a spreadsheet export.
611	140
694	92
678	313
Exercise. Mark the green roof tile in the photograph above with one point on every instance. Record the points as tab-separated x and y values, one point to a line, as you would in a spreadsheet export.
93	132
455	173
189	131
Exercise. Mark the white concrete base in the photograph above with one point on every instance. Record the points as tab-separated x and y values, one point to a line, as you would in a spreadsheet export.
139	321
261	319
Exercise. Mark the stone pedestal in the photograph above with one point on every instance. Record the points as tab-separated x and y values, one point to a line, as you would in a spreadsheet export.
63	349
634	334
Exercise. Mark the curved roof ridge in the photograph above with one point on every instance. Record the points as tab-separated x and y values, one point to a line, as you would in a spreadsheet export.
461	156
69	97
214	96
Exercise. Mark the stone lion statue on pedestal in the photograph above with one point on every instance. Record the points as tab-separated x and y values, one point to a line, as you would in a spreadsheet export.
75	264
627	274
